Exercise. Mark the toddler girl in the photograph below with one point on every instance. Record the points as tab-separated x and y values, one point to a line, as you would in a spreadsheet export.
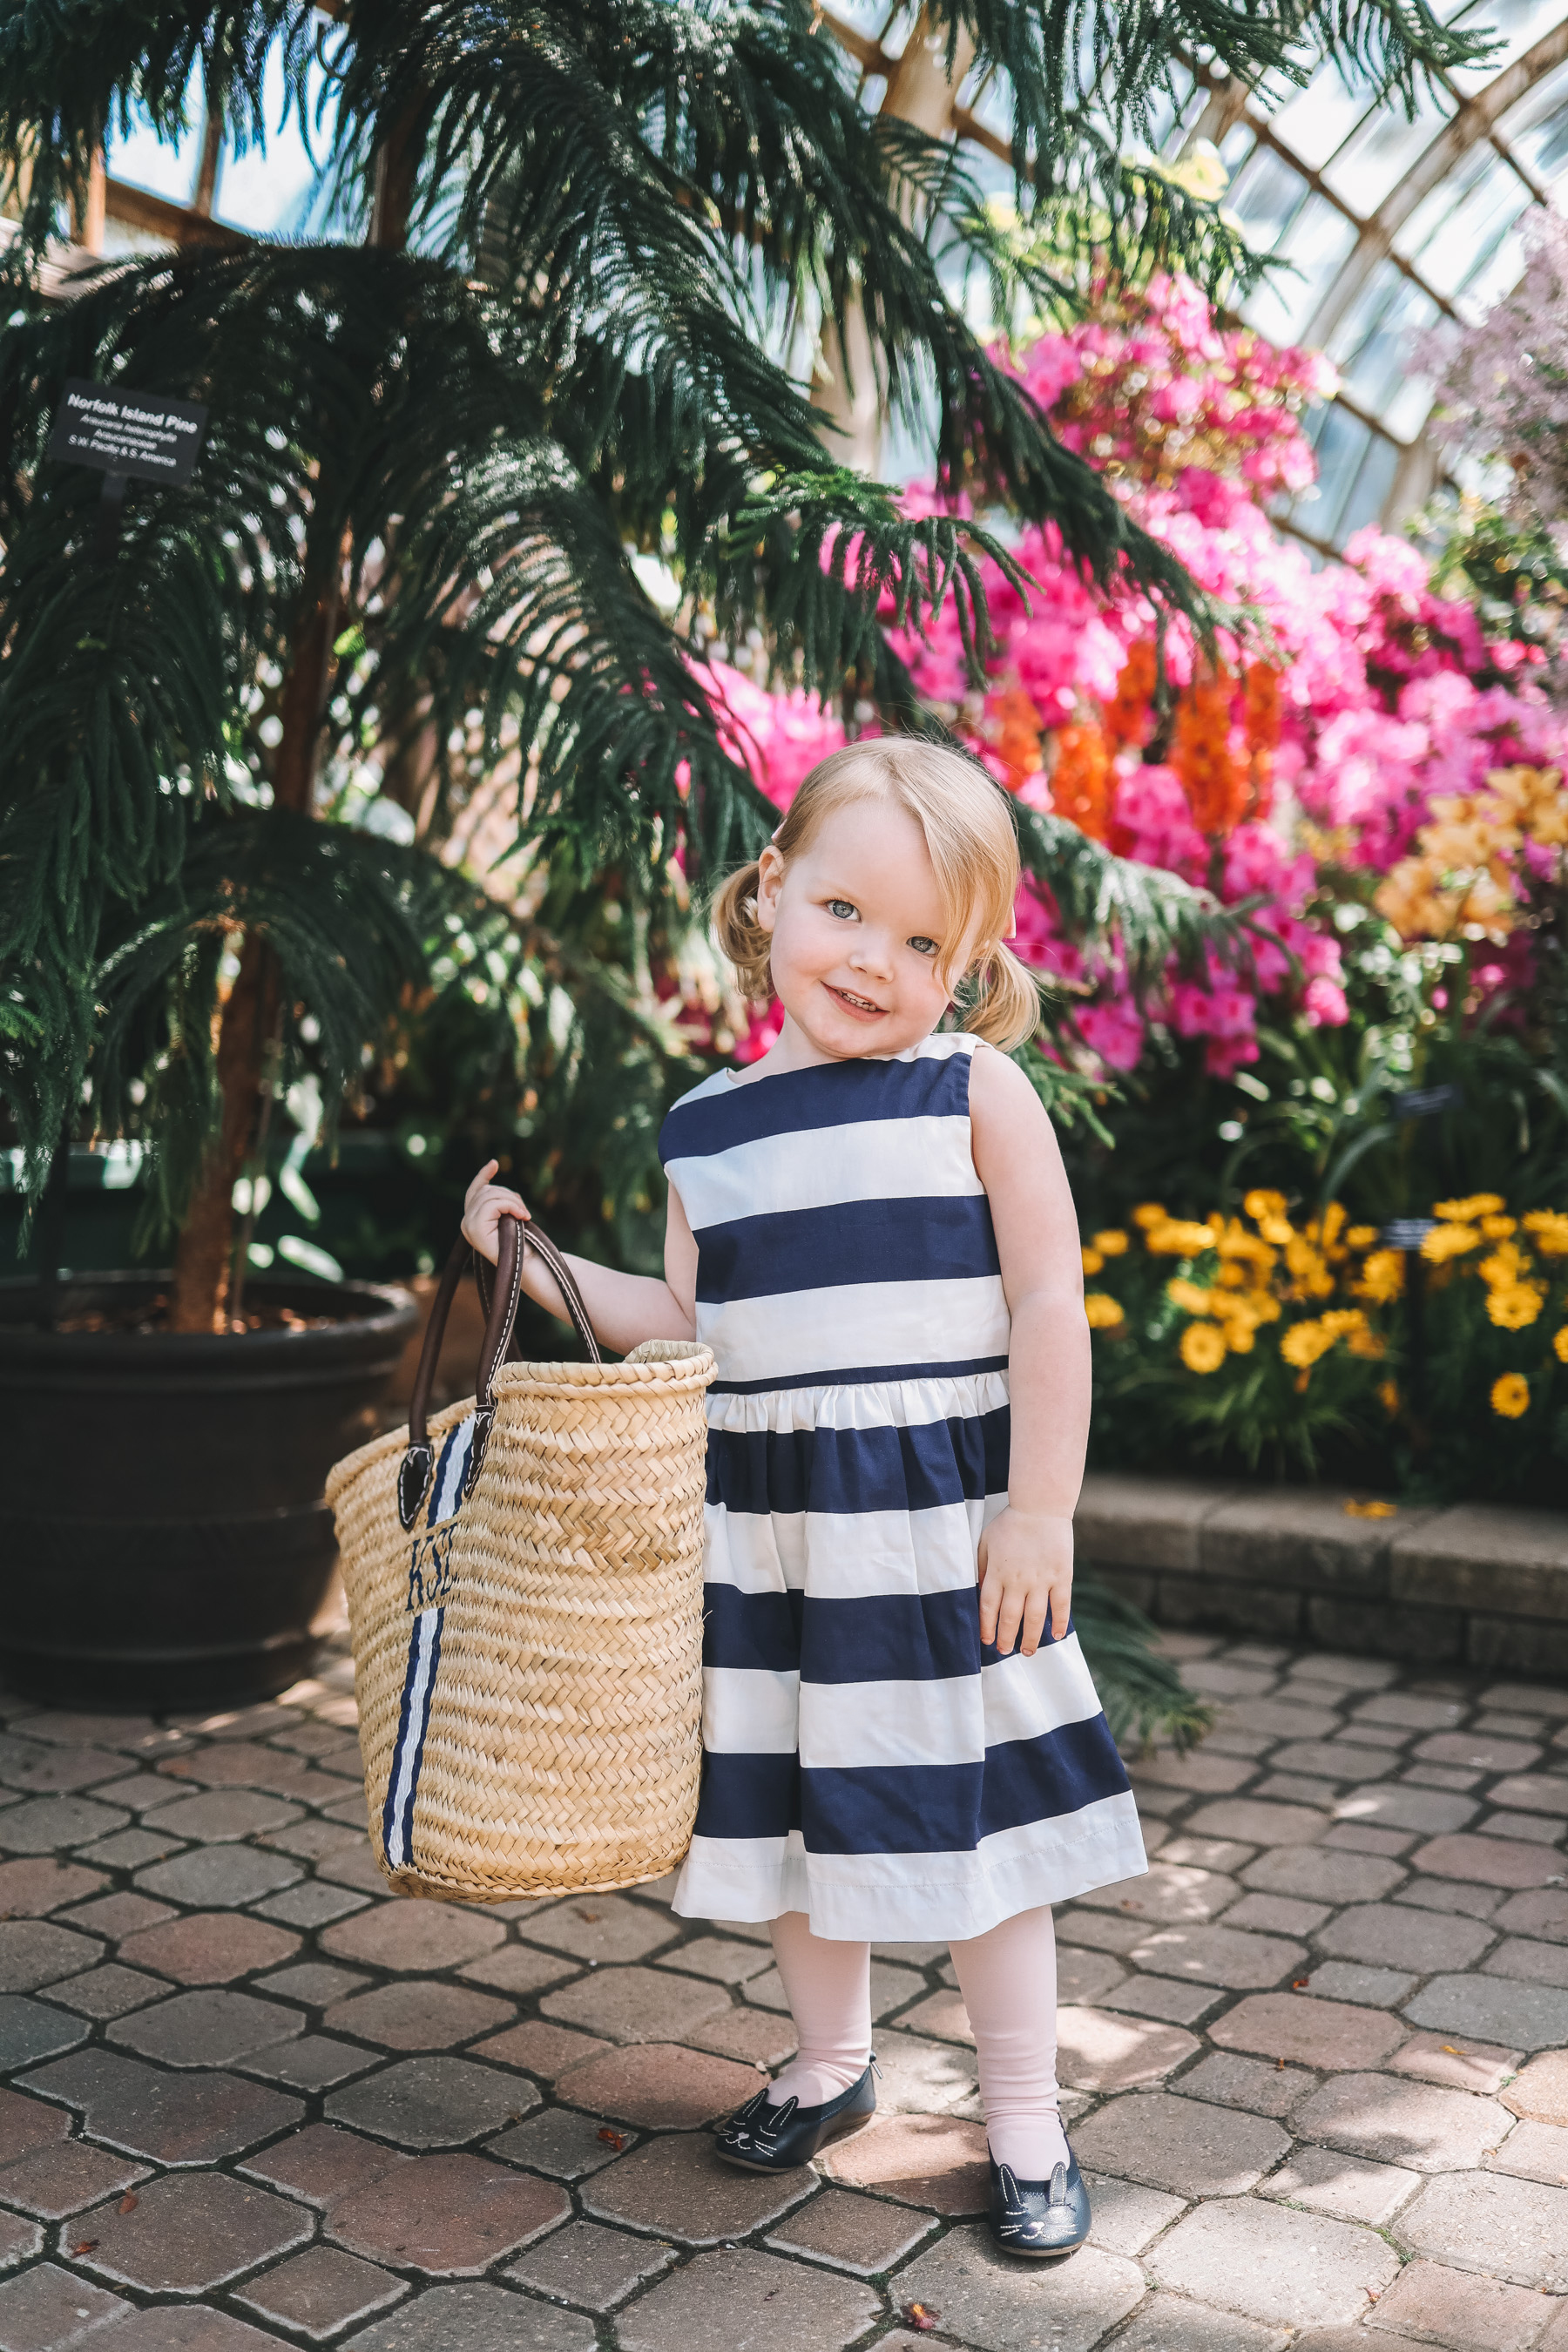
871	1229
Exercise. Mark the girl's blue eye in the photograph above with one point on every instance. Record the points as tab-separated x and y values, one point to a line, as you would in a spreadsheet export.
924	946
842	908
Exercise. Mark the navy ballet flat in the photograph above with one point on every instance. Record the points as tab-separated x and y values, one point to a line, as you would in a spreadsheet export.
1041	2219
762	2139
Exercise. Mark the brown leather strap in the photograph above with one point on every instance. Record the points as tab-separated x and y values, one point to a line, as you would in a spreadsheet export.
512	1237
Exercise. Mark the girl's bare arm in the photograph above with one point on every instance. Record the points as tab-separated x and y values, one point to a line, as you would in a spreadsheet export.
624	1308
1026	1553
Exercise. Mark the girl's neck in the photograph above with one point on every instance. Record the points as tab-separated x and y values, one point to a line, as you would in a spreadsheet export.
793	1049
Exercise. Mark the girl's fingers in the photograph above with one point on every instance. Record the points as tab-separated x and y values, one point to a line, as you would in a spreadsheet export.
1035	1622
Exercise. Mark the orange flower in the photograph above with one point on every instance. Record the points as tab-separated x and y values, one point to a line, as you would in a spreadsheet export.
1126	715
1082	778
1016	734
1261	718
1213	780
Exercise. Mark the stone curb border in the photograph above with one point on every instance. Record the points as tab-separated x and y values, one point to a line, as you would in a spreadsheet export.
1479	1585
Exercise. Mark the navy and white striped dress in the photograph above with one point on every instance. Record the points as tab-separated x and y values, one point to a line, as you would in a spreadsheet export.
867	1761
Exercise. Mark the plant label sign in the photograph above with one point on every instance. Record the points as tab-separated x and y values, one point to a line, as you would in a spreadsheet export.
151	436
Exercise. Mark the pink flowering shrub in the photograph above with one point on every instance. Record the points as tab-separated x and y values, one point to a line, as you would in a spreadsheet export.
1317	747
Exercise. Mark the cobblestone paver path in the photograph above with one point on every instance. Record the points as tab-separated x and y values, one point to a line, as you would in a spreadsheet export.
1315	2063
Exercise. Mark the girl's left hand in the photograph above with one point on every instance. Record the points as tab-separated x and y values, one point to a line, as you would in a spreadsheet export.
1025	1568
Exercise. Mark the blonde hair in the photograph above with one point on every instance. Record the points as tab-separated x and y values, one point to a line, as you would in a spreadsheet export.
974	852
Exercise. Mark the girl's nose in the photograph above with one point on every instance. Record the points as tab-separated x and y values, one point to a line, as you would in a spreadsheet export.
872	955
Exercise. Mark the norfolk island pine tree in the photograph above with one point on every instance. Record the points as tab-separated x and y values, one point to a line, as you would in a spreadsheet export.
558	252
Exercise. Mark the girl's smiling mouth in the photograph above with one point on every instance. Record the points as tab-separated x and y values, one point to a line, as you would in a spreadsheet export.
853	1004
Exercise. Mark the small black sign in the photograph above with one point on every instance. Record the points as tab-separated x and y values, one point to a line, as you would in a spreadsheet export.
1408	1233
1425	1102
148	435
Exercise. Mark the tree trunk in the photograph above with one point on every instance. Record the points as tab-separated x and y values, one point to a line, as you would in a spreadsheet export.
203	1252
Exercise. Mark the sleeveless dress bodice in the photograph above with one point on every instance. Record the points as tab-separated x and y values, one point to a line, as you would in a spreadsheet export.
867	1759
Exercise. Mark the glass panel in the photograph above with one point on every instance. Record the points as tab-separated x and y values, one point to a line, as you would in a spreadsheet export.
1537	128
1266	198
1453	244
1369	495
1496	277
1516	24
1371	344
1237	146
1340	440
1410	405
163	167
1316	121
1316	243
268	190
1377	156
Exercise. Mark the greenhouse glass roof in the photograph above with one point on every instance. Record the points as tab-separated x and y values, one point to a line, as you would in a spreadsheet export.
1387	223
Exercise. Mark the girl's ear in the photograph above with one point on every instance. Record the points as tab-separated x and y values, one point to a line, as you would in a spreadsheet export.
770	882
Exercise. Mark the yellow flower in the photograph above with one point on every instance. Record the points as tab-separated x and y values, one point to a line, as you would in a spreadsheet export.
1510	1395
1313	1279
1506	1265
1259	1205
1444	1242
1104	1311
1370	1344
1203	1347
1361	1237
1388	1396
1465	1212
1560	1345
1189	1296
1111	1245
1265	1305
1239	1339
1149	1212
1381	1277
1092	1260
1498	1229
1178	1237
1374	1510
1344	1320
1548	1230
1303	1343
1232	1276
1278	1230
1333	1225
1515	1308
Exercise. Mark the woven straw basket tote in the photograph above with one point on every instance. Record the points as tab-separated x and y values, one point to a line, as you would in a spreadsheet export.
525	1578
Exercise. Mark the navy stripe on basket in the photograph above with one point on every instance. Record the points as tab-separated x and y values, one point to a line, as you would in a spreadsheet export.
841	1376
913	1808
899	1637
922	1467
944	1238
408	1749
834	1094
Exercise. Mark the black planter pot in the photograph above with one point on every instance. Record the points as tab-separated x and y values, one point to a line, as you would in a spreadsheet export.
168	1545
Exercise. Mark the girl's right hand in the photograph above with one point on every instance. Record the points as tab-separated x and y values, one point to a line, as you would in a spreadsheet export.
484	1206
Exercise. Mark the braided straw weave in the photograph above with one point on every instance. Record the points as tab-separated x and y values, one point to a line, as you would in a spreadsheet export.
563	1743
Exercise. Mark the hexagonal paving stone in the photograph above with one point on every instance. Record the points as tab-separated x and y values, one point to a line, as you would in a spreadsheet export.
677	2187
109	1991
1530	2017
1098	2051
1328	2182
1169	2323
321	2164
188	2233
477	2318
1540	2093
635	2004
1534	2151
412	1938
1458	2065
418	2014
46	2306
221	1816
27	2124
659	2085
1402	2122
1472	2315
604	1927
434	2102
1218	1955
316	2062
322	2291
1324	2034
41	1883
1393	1935
448	2216
35	1952
29	2032
226	1876
1002	2306
208	1947
1489	2222
542	2048
565	2146
1489	1862
1321	1875
206	2028
52	2182
740	2301
1181	2145
591	2266
1283	2268
172	2118
1229	2081
1168	1893
935	2161
43	1825
860	2234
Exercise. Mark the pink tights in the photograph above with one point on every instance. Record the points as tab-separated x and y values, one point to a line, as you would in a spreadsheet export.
1009	1979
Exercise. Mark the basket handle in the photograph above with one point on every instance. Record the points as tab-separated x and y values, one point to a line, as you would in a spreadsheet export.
513	1235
